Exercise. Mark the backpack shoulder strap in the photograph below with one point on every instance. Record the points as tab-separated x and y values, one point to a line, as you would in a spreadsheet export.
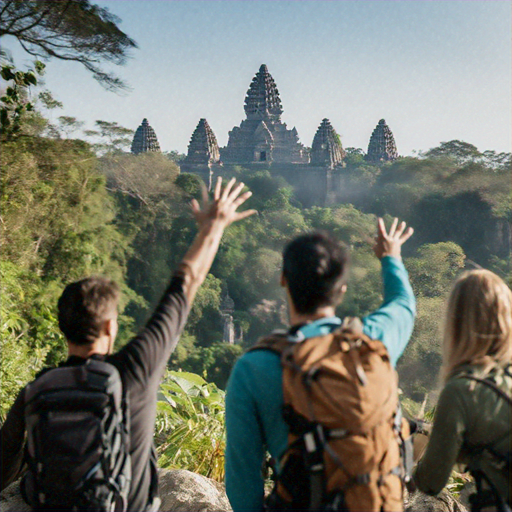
491	447
489	384
277	342
351	335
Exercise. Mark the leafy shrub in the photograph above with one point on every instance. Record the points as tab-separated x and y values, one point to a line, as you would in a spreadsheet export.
190	431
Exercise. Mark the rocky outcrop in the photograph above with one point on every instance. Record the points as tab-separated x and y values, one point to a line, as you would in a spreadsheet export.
180	491
184	491
11	500
444	502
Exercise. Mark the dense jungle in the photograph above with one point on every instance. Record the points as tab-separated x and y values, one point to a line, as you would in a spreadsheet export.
76	203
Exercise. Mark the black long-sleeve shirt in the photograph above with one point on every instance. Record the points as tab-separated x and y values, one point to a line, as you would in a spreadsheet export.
141	364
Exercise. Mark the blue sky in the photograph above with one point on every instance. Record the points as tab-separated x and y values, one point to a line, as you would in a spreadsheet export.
435	70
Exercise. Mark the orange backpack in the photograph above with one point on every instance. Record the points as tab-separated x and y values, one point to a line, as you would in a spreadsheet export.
345	427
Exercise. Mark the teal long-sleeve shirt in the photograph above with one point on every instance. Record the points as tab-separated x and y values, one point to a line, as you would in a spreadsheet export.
254	397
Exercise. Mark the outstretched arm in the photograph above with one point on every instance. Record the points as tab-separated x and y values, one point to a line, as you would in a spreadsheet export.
212	218
147	354
393	322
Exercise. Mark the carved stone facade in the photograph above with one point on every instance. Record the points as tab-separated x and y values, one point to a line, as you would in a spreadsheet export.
144	139
263	138
203	152
263	141
326	149
226	310
382	147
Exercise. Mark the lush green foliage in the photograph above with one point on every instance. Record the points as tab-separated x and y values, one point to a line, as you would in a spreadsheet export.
190	431
75	30
71	208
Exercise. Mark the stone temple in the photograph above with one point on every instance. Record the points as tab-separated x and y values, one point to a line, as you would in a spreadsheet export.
263	137
264	141
144	139
382	145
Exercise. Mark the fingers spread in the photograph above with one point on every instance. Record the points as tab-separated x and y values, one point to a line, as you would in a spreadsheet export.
406	235
204	193
236	191
244	214
400	229
241	200
381	228
392	229
228	188
218	185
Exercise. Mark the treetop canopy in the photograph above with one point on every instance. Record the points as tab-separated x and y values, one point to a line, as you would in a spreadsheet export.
73	30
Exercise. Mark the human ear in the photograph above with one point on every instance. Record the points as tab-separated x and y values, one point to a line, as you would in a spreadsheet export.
111	328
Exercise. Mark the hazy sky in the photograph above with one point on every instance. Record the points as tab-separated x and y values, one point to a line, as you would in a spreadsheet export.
435	70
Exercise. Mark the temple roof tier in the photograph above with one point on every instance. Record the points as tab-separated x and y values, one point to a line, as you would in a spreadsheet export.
203	147
326	148
262	100
145	139
382	147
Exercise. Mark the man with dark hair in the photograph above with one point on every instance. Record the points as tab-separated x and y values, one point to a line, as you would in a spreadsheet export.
88	318
314	275
84	307
314	270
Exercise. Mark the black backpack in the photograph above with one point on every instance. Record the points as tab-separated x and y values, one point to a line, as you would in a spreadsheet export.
77	440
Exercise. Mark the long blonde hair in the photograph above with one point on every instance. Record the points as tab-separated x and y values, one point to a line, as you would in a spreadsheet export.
478	324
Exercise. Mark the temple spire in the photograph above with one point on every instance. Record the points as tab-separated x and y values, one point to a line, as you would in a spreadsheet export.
326	148
382	147
144	139
203	147
262	100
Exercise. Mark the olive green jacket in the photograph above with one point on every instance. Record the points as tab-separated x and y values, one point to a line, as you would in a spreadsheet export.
469	415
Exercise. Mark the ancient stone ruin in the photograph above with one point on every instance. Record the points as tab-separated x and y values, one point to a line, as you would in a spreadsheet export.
382	147
263	137
326	149
144	139
203	152
263	141
226	310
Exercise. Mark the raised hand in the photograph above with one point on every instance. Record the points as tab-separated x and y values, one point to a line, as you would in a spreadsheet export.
223	208
390	243
212	217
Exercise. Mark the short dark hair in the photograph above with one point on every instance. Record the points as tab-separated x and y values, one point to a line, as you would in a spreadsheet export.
84	306
314	266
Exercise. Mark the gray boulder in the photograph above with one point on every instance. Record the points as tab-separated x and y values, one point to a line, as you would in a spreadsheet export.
180	491
184	491
11	500
443	502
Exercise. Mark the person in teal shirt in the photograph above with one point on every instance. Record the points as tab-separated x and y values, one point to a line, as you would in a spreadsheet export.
314	270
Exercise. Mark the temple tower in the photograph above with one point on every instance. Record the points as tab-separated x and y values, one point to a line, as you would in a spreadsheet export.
144	139
263	138
382	147
262	100
203	152
326	150
227	308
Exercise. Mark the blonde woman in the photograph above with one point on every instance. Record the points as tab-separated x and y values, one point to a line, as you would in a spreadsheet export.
472	424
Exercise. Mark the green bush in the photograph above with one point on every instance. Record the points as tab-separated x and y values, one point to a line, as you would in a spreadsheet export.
190	431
